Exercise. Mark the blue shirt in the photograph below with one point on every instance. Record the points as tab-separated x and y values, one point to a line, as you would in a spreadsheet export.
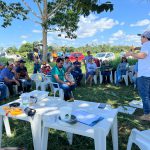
6	73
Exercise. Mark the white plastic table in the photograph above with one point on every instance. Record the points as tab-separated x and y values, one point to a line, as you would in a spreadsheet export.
97	132
42	107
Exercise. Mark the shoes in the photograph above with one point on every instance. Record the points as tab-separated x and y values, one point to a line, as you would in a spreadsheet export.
71	100
145	117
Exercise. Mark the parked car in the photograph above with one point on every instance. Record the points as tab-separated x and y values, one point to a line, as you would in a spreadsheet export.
11	56
73	56
105	56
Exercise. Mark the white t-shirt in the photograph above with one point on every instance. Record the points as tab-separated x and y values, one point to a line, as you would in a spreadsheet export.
66	65
91	67
144	64
86	58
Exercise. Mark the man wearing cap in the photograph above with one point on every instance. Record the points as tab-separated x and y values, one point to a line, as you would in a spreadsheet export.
77	72
23	76
8	76
143	80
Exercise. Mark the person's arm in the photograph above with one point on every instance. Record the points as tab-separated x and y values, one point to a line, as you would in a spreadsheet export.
58	80
140	55
66	77
11	80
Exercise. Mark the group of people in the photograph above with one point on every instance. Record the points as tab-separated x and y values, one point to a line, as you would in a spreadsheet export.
14	74
69	75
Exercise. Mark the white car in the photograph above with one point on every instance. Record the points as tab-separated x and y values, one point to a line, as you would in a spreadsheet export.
105	56
11	56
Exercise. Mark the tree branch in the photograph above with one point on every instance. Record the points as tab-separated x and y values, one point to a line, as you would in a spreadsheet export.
30	9
51	14
34	20
38	4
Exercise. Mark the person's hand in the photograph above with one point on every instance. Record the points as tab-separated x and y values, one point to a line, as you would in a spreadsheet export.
13	71
68	83
17	82
72	83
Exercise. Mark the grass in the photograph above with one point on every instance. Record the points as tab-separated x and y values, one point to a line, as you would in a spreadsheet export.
98	93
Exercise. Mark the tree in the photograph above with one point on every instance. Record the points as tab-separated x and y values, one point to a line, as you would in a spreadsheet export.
12	50
27	47
56	15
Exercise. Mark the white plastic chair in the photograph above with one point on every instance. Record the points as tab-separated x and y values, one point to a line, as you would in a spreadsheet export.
130	73
55	87
40	81
94	78
125	77
101	77
140	138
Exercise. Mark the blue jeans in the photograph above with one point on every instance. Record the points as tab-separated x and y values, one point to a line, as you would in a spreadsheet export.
3	90
92	73
143	85
67	90
119	74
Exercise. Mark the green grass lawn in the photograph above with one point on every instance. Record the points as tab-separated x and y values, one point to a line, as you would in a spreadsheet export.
98	93
111	94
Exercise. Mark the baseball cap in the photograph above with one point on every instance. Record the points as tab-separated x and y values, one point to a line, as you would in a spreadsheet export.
145	34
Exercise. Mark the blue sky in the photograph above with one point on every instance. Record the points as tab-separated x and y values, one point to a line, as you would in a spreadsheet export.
119	27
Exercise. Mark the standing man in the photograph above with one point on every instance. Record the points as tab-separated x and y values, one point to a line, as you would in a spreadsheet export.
143	80
87	58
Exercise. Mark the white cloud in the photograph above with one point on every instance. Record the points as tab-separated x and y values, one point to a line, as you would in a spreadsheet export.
140	23
119	34
90	25
24	42
24	36
122	38
122	23
149	13
36	31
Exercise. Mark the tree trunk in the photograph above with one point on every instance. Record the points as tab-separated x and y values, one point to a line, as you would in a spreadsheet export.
44	30
44	41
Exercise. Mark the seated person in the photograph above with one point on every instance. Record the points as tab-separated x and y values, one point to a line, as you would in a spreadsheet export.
17	64
121	69
91	71
23	76
97	62
37	66
46	68
58	76
106	69
3	91
9	77
67	63
77	72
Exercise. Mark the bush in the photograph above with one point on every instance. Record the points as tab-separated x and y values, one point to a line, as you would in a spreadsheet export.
116	61
3	60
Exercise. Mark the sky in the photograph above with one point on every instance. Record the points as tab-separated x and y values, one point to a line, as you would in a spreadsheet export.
119	27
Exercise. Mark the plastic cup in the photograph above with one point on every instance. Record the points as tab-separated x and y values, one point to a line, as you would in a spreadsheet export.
65	113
